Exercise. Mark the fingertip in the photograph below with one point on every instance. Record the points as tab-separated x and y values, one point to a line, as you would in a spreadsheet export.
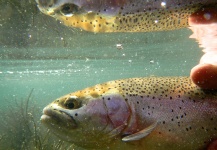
213	145
205	76
204	16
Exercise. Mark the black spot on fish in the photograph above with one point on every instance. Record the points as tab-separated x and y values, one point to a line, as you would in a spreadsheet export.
179	124
76	114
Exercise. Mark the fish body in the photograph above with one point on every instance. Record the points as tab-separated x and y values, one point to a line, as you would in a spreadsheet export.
123	15
152	113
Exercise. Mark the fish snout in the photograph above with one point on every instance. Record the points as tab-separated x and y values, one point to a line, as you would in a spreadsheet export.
45	3
53	114
47	113
46	6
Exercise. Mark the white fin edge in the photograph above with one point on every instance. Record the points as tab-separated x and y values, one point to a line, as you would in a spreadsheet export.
141	134
116	131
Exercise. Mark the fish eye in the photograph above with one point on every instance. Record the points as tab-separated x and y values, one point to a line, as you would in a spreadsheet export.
69	9
72	103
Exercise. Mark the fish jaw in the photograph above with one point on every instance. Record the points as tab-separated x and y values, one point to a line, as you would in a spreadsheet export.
53	118
96	122
52	115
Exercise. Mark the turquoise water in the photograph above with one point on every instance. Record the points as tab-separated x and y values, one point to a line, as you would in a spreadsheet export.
53	72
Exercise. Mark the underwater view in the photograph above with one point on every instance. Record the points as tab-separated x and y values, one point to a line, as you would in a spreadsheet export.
46	52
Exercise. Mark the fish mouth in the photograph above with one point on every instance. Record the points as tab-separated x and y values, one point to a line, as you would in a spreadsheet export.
55	117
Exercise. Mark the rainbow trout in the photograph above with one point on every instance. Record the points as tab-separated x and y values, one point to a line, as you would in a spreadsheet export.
152	113
123	15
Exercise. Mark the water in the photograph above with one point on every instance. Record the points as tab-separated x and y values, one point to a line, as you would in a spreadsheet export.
39	53
65	70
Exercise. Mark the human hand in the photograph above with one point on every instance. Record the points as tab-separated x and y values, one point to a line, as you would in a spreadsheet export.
204	26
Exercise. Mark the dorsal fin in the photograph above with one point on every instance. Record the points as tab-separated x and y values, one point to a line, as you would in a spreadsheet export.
141	134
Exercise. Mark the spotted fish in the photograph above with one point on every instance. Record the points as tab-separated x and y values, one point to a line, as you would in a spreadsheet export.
123	15
152	113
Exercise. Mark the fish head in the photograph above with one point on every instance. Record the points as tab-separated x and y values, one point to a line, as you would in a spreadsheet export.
90	15
57	8
87	120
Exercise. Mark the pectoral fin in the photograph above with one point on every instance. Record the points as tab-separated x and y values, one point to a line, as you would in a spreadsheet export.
116	131
141	134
